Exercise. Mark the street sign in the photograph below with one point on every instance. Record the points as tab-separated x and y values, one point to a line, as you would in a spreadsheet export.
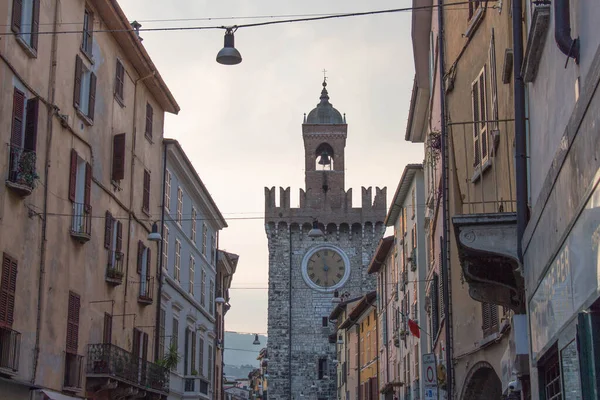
430	371
431	393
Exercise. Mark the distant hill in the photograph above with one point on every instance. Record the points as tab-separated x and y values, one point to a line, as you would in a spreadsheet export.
238	372
239	351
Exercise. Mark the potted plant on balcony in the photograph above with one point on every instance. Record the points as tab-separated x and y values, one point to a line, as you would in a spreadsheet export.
171	358
113	273
26	169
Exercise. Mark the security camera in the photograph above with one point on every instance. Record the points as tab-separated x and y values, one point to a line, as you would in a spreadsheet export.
514	386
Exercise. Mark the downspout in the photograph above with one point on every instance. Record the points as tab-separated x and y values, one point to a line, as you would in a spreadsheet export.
376	347
52	109
290	319
387	354
358	362
445	204
159	255
562	30
520	128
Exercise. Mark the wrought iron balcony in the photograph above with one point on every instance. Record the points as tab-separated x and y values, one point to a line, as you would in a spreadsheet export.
146	291
114	268
110	361
190	384
73	367
81	224
10	348
22	174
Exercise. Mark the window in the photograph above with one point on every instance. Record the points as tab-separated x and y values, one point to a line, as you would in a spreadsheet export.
177	260
480	134
113	242
203	288
168	190
201	357
179	204
165	249
118	158
80	183
192	269
8	289
175	336
162	333
211	297
432	56
84	92
325	322
193	354
73	323
149	117
489	317
413	203
204	234
549	370
143	269
107	334
322	368
473	6
146	197
210	362
186	347
213	250
194	225
119	81
23	137
88	32
25	21
434	308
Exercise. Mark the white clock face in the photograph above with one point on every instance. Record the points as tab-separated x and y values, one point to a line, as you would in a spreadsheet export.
325	268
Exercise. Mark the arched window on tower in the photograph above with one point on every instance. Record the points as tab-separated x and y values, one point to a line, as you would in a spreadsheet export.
324	157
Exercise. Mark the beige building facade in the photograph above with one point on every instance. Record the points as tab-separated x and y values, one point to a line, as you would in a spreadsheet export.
82	118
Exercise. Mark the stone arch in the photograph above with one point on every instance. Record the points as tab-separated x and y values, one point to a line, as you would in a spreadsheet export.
324	148
331	228
294	227
282	227
482	383
379	227
271	228
306	227
356	228
368	228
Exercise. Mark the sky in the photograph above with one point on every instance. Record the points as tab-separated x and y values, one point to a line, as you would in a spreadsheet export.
241	125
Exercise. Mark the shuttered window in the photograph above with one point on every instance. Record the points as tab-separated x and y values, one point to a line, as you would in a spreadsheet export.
175	334
25	21
88	32
162	332
18	120
489	318
146	196
204	238
107	335
193	354
84	89
118	158
192	274
8	288
119	80
149	118
211	297
203	288
168	190
201	357
194	215
177	260
210	363
435	322
480	131
24	123
186	347
73	323
165	247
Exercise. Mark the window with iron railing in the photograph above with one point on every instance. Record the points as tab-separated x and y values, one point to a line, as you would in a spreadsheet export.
10	347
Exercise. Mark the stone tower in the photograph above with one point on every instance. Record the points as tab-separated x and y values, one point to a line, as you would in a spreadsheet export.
304	272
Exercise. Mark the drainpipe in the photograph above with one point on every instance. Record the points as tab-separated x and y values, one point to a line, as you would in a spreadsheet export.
52	109
159	255
562	30
520	128
290	319
445	265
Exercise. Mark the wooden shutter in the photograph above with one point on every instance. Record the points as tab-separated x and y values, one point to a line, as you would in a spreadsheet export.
31	124
35	24
108	222
140	255
88	187
118	166
476	117
146	198
493	81
144	346
149	116
90	31
73	176
77	85
136	344
92	103
8	288
186	346
193	360
119	81
148	263
16	137
107	336
17	12
73	323
119	244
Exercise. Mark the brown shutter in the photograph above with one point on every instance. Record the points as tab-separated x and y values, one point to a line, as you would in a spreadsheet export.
119	244
92	103
73	176
31	124
136	344
118	167
8	287
77	85
88	187
144	346
17	12
16	137
90	31
140	255
108	219
35	24
146	198
73	323
193	358
148	263
120	77
149	116
107	336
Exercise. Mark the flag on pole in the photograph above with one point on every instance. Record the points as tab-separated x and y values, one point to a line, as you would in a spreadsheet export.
414	328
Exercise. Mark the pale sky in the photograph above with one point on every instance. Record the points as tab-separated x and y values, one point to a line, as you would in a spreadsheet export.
241	125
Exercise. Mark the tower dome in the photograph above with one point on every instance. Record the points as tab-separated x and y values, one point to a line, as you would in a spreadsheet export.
324	113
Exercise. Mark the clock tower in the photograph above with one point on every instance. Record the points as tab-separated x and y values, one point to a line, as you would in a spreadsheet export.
304	271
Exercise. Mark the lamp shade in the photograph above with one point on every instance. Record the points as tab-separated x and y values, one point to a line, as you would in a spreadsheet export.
315	232
154	236
229	54
256	341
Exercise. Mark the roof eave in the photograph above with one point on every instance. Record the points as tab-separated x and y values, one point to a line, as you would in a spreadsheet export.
401	192
381	253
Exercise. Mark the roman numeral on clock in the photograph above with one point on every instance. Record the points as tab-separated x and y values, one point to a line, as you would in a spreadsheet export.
339	276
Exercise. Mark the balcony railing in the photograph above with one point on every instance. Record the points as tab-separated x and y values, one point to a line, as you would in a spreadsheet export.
146	291
21	170
81	224
190	384
10	347
109	360
73	365
203	387
114	268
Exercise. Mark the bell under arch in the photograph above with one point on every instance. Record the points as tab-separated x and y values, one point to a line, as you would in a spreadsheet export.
324	156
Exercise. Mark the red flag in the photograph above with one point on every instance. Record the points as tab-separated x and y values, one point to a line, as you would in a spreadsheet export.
414	328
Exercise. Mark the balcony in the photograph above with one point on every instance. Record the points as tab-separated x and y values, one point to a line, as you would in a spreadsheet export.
81	224
114	268
21	170
106	362
146	291
10	348
486	229
73	379
190	384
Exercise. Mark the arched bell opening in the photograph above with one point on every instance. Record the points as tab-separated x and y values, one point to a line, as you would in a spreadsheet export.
324	157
